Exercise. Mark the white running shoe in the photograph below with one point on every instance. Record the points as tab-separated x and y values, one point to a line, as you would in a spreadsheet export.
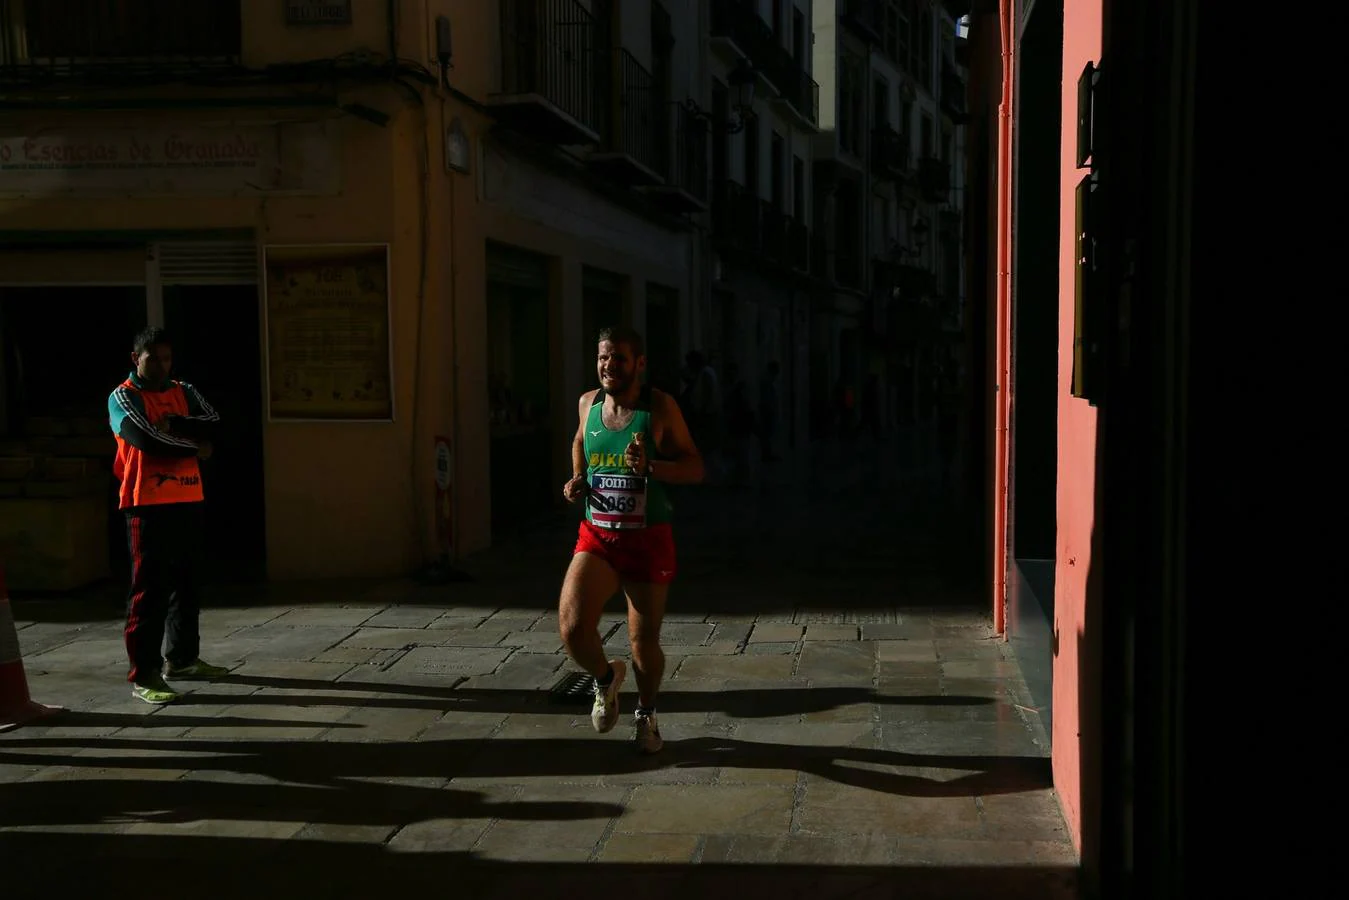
648	733
604	714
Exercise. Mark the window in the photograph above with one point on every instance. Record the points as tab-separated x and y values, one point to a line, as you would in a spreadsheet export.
880	103
850	103
927	135
778	21
115	30
799	38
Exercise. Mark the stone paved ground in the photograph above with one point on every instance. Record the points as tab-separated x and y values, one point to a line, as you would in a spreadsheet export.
840	722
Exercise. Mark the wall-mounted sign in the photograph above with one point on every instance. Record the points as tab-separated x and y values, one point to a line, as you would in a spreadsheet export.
318	12
193	160
328	336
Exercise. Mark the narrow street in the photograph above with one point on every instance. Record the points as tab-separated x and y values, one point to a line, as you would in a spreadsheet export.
839	718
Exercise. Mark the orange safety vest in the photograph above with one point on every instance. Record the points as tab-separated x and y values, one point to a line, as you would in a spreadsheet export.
147	479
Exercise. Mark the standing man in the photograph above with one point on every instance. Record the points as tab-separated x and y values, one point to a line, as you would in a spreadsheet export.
162	428
632	440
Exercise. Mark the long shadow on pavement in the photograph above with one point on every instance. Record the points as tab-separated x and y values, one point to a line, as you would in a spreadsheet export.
766	702
331	763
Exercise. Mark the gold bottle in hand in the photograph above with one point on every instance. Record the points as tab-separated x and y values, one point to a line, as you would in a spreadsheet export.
639	441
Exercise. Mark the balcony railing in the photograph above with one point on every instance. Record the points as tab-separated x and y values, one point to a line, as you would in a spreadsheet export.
554	49
637	131
796	85
889	153
740	22
112	38
687	166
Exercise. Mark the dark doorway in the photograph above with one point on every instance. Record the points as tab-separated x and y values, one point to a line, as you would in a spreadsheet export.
218	349
65	348
520	392
1035	349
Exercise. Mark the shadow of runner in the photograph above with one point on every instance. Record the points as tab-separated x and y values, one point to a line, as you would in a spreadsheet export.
331	763
738	703
106	801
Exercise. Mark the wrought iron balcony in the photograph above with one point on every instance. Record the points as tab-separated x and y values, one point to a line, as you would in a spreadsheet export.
555	71
737	25
116	40
798	89
684	164
639	127
889	153
934	179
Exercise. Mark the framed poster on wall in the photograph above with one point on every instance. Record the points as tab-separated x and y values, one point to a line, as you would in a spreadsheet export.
328	332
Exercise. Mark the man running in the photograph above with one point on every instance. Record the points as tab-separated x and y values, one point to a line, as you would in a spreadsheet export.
632	440
162	428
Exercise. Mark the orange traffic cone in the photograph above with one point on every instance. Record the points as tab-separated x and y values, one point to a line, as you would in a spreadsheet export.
16	706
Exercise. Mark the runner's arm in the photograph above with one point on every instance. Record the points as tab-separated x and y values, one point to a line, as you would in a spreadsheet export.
680	462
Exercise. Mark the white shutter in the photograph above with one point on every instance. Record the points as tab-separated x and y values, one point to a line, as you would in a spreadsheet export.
207	262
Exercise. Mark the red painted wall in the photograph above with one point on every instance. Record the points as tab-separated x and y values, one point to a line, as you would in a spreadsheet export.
1077	696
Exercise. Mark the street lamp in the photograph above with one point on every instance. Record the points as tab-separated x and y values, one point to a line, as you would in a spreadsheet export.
742	80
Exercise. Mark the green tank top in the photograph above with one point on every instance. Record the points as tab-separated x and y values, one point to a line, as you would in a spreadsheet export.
618	498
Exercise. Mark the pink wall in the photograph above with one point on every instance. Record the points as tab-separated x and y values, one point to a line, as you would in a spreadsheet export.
1077	696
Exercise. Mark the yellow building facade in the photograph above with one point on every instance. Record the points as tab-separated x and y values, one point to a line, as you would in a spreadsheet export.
389	295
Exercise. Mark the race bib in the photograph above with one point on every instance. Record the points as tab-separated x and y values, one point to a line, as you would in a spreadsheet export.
618	501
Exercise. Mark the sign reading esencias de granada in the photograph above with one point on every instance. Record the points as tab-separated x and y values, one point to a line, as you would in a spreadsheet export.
290	157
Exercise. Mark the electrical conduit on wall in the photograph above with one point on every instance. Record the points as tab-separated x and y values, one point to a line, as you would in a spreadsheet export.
1002	338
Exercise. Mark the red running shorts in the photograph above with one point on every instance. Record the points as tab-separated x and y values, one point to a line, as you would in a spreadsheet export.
644	555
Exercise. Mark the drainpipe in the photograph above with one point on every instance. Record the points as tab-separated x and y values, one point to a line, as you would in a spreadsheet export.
1003	317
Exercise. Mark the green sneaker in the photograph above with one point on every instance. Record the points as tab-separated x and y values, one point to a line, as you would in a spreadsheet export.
154	690
197	669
